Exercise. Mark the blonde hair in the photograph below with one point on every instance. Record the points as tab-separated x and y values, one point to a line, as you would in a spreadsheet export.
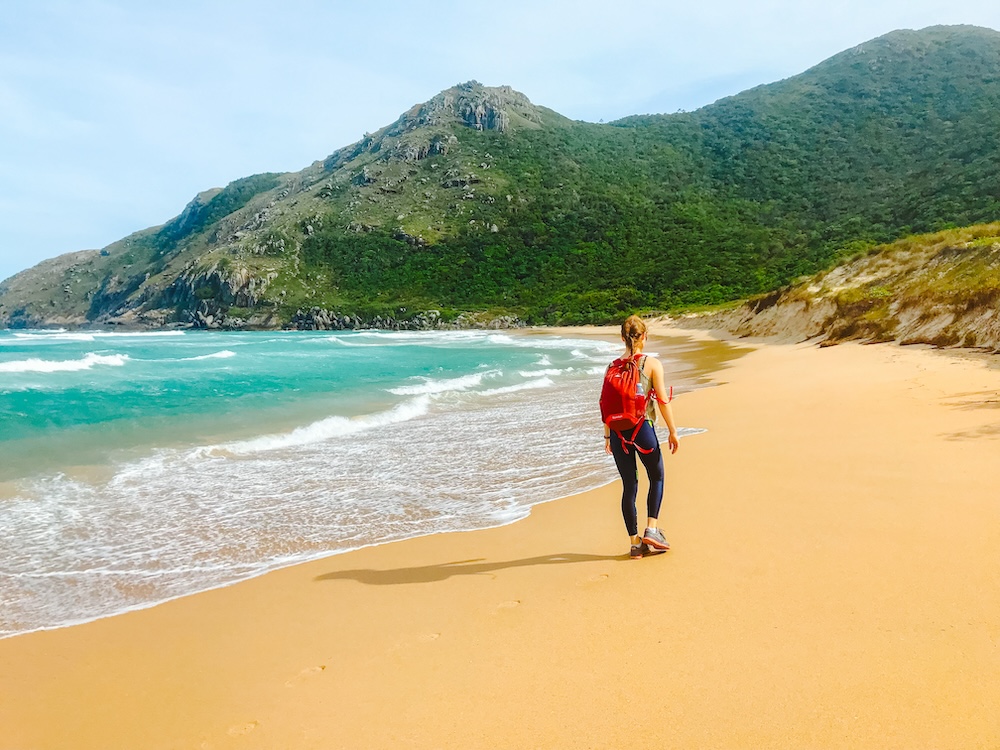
633	329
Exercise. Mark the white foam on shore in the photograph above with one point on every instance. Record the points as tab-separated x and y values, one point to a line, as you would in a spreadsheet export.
322	430
528	386
500	338
594	356
594	346
541	373
444	385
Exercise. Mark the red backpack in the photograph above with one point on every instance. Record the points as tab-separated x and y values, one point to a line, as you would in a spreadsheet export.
624	400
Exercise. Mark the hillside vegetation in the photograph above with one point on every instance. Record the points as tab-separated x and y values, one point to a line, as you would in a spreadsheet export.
941	289
479	201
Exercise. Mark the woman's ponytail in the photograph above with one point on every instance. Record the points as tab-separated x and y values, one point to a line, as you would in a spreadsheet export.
633	329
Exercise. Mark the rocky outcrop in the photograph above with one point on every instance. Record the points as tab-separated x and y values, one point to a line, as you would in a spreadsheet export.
21	318
116	295
226	284
193	212
321	319
474	105
422	131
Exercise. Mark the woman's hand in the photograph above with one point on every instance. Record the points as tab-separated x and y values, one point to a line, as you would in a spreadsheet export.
607	445
673	442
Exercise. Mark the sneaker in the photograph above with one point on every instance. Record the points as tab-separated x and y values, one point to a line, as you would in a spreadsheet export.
638	551
655	539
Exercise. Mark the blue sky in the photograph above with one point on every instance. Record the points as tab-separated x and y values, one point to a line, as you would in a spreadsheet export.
116	113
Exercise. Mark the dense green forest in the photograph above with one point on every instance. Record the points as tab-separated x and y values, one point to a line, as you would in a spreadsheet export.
664	211
613	222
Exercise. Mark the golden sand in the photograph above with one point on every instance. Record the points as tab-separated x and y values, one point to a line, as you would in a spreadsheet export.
832	584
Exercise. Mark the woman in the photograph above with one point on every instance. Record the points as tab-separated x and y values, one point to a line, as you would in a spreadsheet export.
646	445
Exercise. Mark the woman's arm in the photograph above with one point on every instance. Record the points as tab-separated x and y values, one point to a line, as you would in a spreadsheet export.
656	375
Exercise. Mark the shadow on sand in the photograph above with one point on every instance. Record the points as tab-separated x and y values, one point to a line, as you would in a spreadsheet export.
478	566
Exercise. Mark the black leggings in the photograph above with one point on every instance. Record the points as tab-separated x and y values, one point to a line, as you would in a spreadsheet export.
653	463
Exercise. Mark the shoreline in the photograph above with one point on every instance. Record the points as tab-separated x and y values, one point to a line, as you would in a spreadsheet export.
830	586
690	370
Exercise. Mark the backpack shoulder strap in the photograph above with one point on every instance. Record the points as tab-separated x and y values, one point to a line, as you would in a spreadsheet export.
653	394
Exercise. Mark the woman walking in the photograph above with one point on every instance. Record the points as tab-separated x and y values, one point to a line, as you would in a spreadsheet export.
641	439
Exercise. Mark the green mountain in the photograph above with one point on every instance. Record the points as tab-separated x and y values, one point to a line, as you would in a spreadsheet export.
482	205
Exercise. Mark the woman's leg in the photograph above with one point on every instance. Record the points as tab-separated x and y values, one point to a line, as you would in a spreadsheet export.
653	463
630	482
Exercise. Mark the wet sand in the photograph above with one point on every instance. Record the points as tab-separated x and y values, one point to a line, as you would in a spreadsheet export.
832	584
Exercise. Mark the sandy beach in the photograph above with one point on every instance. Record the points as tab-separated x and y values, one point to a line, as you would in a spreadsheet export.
832	584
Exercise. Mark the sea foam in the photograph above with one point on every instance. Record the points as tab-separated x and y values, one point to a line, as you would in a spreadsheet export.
63	335
324	429
526	386
224	354
444	385
541	373
71	365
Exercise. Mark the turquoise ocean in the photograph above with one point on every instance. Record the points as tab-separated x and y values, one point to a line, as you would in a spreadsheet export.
140	467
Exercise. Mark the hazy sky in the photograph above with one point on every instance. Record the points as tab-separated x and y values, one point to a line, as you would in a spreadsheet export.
116	113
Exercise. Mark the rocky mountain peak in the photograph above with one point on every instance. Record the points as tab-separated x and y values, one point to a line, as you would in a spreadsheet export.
480	107
425	129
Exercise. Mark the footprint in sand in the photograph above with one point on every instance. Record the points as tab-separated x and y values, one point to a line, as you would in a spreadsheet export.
238	729
510	604
594	579
406	644
305	674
